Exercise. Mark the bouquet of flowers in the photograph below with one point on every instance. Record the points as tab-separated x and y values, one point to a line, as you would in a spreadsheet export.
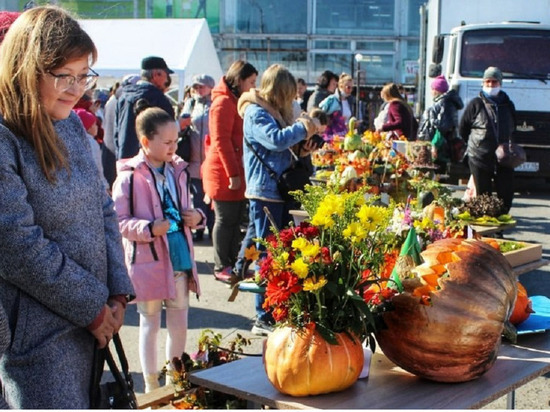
320	271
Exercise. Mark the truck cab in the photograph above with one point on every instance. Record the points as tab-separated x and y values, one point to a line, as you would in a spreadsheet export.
519	49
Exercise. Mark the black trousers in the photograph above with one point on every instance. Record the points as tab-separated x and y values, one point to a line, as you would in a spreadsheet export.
503	178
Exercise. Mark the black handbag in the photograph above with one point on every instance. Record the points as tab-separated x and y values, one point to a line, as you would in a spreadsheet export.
118	394
296	177
510	155
184	143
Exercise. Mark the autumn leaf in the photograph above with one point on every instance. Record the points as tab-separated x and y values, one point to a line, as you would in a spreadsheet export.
252	253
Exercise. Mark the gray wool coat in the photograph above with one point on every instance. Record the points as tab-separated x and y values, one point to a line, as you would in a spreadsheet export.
60	259
4	343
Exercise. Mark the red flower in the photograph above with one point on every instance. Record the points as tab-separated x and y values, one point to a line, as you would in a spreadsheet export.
310	232
325	255
265	266
279	313
286	236
272	240
280	287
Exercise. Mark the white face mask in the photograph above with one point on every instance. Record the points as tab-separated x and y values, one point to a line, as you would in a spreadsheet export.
491	91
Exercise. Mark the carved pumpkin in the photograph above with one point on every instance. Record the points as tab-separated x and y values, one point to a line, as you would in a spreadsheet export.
301	362
447	325
523	307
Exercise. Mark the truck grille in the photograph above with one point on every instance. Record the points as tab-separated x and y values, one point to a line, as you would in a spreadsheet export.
533	128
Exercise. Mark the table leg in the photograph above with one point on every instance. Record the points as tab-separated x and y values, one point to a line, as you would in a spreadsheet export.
511	400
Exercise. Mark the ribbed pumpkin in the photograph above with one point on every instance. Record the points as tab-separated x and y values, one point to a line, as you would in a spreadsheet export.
447	326
523	307
301	362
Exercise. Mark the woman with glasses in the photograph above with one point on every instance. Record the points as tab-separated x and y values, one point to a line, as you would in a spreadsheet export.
63	282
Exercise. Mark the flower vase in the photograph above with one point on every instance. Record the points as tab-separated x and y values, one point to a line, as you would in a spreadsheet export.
300	362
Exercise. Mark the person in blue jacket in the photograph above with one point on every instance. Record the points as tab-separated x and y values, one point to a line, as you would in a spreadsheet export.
155	80
271	133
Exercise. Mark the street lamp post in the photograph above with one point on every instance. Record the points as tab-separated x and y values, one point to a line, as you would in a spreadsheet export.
358	58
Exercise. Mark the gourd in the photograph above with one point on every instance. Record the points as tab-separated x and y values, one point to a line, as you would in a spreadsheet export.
301	362
447	324
352	141
523	307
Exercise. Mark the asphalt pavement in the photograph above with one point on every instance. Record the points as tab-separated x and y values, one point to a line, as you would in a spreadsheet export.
212	311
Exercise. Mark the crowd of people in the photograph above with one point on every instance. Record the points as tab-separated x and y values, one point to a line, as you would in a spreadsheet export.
101	205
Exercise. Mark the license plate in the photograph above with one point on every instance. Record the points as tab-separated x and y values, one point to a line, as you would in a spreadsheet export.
528	167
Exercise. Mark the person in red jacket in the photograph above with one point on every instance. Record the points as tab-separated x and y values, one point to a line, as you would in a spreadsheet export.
400	119
223	170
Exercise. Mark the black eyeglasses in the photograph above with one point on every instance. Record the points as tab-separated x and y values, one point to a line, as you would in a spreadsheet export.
65	81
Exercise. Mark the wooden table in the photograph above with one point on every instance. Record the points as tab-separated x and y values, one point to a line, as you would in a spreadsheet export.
528	267
388	386
491	230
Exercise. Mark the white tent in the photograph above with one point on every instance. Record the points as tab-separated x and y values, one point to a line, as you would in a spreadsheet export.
185	44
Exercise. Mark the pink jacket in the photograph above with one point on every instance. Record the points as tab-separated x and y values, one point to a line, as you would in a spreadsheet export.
147	257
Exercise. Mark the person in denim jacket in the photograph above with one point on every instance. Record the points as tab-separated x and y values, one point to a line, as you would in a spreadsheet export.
271	131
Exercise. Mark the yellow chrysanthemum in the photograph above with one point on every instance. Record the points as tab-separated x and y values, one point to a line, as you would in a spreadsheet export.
370	217
423	224
322	219
333	204
312	284
355	232
299	243
311	250
300	267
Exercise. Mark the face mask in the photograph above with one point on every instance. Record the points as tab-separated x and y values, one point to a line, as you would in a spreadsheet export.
491	91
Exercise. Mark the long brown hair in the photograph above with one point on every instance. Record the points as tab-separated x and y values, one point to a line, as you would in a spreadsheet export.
41	39
278	88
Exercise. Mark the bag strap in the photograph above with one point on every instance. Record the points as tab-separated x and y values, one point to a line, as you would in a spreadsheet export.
272	172
492	118
125	380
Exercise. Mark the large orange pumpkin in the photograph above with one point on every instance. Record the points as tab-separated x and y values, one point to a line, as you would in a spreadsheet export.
301	362
447	325
523	307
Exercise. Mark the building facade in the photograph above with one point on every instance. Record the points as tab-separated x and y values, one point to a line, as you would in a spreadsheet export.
308	36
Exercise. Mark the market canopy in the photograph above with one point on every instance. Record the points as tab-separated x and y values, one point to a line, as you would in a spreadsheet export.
185	44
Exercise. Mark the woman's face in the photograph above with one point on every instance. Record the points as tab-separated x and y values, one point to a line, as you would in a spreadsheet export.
248	83
347	87
332	85
202	90
163	145
59	101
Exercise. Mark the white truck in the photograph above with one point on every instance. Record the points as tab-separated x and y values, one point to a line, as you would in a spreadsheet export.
460	39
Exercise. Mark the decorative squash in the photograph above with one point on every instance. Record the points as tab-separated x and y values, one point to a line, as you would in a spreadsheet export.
523	307
447	325
301	362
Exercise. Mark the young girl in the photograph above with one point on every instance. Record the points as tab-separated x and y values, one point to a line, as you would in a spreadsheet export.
151	196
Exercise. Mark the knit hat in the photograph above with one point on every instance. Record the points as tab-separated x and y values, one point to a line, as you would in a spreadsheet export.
493	73
6	20
440	84
88	118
